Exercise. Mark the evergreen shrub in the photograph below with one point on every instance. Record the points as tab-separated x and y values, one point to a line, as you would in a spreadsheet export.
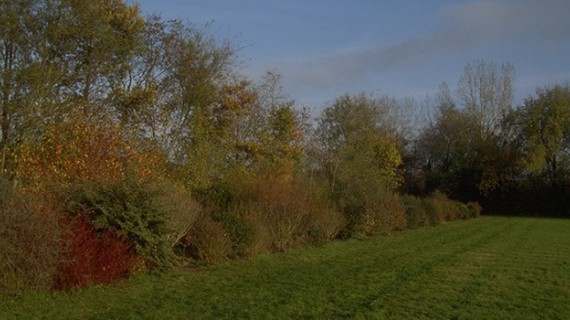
132	209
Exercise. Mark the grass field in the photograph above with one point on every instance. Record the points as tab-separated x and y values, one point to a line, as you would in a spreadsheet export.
487	268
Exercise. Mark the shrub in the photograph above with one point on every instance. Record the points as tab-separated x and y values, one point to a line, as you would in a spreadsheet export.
462	207
239	232
369	209
322	221
390	215
431	212
474	209
91	256
326	222
415	212
181	209
131	208
218	196
261	212
295	214
207	241
261	236
447	210
285	216
284	212
355	216
29	241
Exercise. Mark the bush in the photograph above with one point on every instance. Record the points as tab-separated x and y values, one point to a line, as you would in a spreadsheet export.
474	209
217	196
392	214
91	257
447	210
415	212
287	214
29	241
326	222
283	213
261	236
355	216
181	209
130	208
431	212
239	232
369	206
434	210
462	207
207	241
295	213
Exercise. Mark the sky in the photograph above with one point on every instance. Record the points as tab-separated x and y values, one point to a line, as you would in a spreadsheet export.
401	48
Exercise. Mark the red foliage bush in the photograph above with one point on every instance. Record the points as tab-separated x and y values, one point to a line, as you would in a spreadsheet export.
91	257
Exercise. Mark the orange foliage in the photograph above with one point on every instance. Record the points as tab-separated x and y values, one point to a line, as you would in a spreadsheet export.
236	96
80	149
73	151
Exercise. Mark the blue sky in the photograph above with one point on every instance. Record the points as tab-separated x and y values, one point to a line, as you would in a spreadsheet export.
324	48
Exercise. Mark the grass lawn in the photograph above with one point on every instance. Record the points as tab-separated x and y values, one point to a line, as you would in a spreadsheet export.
487	268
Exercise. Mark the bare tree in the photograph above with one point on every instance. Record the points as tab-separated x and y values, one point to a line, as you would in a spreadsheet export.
486	91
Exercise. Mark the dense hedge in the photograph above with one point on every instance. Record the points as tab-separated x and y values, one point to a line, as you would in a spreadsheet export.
108	230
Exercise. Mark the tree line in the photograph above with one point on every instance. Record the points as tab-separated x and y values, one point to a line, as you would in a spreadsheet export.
480	146
131	142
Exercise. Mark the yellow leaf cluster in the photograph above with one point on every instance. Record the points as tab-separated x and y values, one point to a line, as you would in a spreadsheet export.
79	149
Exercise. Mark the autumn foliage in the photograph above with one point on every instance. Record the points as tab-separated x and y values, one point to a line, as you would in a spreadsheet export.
90	256
80	149
127	140
68	155
30	238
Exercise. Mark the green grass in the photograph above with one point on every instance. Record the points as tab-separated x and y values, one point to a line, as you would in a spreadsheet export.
487	268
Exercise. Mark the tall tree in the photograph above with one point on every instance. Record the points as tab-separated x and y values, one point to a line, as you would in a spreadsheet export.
58	53
17	77
447	143
486	91
92	42
359	158
544	122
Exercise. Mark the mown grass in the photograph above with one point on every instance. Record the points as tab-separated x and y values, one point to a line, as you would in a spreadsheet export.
487	268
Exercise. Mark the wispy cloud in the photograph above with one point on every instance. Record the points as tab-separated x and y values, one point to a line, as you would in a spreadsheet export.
537	21
462	28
